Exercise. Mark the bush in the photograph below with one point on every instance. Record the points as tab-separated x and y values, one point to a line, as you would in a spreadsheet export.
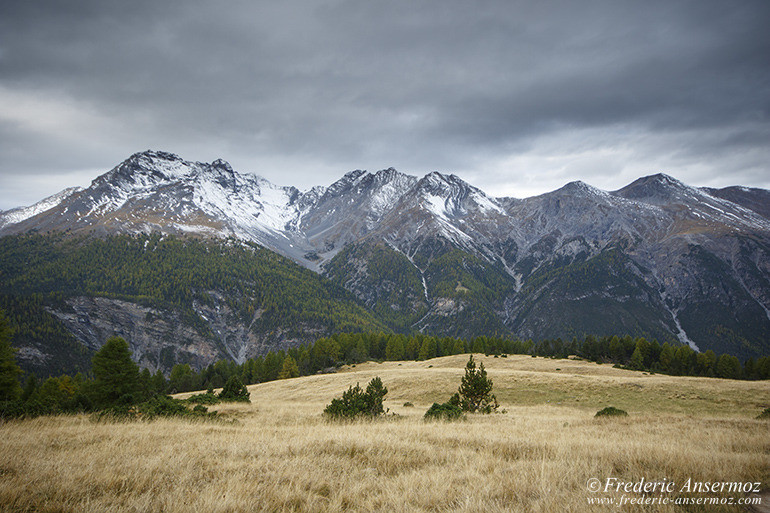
444	411
408	405
158	406
234	391
611	411
764	415
163	406
357	403
207	398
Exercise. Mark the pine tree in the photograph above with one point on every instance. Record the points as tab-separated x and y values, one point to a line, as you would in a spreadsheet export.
637	359
355	402
289	369
394	350
475	389
375	393
10	389
234	390
116	376
728	366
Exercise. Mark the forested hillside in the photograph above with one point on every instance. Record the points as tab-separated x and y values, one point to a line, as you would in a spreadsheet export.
231	298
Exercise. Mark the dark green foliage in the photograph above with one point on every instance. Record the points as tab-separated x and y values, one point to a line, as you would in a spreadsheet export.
116	376
234	391
408	405
10	389
375	394
611	411
392	285
358	403
765	415
207	398
163	406
168	274
720	310
35	327
728	367
157	406
552	290
446	411
475	390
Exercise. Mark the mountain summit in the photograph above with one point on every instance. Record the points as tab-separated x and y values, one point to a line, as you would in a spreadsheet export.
657	258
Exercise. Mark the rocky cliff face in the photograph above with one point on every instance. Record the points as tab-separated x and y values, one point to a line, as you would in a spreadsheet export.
161	338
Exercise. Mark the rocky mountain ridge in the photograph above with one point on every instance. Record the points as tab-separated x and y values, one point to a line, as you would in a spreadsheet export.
657	257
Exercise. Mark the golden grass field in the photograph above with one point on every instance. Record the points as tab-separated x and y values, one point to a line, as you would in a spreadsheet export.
279	454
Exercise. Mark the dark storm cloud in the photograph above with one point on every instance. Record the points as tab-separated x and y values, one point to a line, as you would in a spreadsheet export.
517	97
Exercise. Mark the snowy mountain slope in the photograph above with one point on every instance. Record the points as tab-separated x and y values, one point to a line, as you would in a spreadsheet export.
158	191
17	215
666	259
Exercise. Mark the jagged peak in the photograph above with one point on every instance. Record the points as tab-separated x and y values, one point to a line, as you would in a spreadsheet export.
437	176
443	181
663	178
354	175
654	185
580	187
222	164
153	155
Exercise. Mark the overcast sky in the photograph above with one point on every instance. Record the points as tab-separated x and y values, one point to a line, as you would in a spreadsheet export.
518	98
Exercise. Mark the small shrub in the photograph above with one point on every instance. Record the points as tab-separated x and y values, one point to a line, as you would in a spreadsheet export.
446	411
234	391
207	398
163	406
408	405
358	403
611	411
764	415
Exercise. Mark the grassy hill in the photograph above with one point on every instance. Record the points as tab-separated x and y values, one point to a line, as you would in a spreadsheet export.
279	454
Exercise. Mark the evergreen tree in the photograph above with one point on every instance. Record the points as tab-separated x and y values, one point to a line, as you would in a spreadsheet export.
394	350
181	378
475	389
289	369
637	359
29	388
728	367
10	389
116	376
428	349
355	402
234	390
375	393
666	357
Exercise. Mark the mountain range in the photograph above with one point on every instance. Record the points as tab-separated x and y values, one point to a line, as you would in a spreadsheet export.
656	258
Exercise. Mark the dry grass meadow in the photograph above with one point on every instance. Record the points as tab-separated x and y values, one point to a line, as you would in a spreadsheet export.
279	454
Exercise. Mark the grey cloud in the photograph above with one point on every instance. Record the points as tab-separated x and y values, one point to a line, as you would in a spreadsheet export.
325	86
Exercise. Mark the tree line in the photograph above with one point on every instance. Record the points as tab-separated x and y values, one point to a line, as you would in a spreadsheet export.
71	393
